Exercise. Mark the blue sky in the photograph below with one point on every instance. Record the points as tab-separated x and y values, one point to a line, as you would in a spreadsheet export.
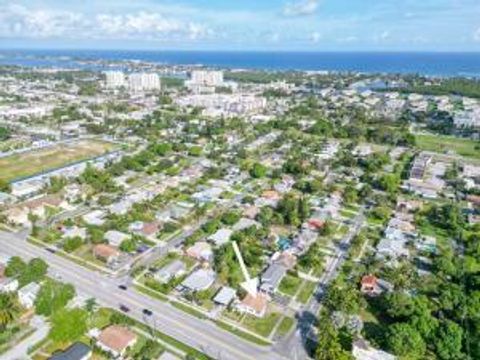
312	25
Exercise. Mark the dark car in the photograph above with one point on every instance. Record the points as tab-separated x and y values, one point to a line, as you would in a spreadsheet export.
51	250
124	308
147	312
122	287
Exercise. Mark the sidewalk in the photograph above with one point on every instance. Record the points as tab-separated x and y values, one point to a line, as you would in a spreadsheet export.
20	351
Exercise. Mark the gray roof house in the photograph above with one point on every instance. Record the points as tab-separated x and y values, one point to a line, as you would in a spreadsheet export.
221	237
199	280
174	269
77	351
225	296
272	277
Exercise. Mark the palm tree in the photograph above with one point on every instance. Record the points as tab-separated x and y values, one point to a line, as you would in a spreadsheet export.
9	309
90	307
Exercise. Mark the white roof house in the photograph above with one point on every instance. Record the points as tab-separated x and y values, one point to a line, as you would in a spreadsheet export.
115	238
95	217
221	237
170	271
28	294
74	231
225	296
199	280
245	223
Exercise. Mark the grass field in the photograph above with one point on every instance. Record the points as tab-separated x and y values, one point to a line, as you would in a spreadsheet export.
442	144
34	162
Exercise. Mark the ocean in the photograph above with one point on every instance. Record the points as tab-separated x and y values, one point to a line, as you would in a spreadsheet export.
431	64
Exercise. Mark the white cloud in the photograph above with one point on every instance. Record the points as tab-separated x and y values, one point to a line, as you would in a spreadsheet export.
476	35
301	7
19	22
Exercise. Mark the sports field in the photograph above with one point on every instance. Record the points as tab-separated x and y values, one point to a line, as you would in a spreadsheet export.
33	162
443	144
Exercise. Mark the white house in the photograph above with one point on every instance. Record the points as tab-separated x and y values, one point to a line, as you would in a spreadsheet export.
28	294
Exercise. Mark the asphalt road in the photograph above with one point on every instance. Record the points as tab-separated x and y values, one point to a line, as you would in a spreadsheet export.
200	334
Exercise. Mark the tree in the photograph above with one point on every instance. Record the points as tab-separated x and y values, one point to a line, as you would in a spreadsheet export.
68	325
9	309
328	346
15	266
72	244
34	272
258	171
448	342
389	183
52	297
403	340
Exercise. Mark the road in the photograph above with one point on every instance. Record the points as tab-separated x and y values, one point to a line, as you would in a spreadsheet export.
293	346
200	334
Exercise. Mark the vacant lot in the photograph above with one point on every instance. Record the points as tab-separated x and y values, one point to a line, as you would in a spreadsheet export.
35	162
443	144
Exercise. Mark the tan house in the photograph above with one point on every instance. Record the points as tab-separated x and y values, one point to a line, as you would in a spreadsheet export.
254	305
106	253
116	339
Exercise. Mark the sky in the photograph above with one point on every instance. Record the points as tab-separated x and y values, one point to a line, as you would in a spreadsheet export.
306	25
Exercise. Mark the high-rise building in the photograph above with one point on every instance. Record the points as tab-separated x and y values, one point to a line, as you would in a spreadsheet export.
143	82
114	79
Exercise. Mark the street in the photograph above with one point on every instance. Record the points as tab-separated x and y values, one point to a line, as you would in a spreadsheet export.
293	345
200	334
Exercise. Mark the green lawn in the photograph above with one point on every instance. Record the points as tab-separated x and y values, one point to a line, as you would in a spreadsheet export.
261	326
442	144
37	161
289	285
306	292
285	326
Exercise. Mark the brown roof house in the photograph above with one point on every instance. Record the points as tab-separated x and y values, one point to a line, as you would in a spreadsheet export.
116	339
106	253
372	286
254	305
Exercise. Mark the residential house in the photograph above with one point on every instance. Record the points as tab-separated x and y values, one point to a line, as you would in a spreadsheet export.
115	238
245	223
106	253
285	259
254	305
304	239
76	351
95	217
268	198
170	271
221	237
225	296
28	294
199	280
116	339
73	232
272	277
251	212
201	251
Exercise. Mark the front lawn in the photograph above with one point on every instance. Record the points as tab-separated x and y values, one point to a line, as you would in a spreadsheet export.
289	285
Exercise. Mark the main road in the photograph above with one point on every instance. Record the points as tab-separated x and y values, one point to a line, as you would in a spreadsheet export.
202	335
